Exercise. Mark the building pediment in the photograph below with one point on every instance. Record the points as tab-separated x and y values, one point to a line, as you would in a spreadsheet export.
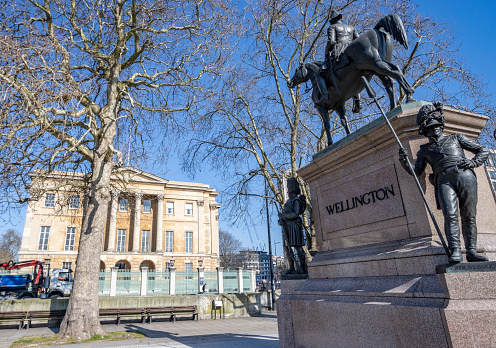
130	175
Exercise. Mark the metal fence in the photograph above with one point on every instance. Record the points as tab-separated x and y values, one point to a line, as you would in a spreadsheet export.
230	281
104	283
157	283
186	283
128	283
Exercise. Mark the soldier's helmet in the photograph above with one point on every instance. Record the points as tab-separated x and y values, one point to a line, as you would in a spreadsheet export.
335	16
293	186
430	115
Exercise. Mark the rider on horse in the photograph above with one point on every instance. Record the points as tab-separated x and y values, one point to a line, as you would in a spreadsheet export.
339	36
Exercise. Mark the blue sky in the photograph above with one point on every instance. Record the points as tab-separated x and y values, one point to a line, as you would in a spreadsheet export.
474	23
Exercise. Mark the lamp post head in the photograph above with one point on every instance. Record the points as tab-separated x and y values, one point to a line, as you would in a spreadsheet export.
200	262
171	262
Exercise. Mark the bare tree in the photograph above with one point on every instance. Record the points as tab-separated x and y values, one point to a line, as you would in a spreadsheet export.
73	76
229	247
257	125
10	243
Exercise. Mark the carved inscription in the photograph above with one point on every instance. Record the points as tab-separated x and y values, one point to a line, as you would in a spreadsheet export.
368	198
363	199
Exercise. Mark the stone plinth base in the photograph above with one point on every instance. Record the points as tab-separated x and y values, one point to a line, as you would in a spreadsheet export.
445	310
373	282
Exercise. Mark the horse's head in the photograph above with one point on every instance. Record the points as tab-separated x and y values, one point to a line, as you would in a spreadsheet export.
300	76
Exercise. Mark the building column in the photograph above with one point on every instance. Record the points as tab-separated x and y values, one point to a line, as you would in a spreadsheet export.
113	280
253	280
214	228
144	281
240	280
160	221
137	218
201	279
172	280
201	226
220	280
113	219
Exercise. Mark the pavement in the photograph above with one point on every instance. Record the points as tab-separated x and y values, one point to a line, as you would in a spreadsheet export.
246	332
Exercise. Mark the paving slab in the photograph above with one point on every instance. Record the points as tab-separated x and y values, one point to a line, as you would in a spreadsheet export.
246	332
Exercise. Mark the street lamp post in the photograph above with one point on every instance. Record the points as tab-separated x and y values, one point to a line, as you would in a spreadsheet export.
272	290
273	300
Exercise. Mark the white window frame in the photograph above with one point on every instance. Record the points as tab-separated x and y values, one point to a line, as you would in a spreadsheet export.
70	238
169	208
147	206
188	242
145	241
74	202
50	200
188	209
66	265
123	204
188	269
44	237
169	241
121	240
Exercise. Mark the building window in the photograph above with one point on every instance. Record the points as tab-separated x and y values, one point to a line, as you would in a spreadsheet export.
74	202
188	268
67	265
45	232
123	204
188	209
189	242
145	241
169	241
50	200
121	240
147	206
166	266
169	208
494	185
70	237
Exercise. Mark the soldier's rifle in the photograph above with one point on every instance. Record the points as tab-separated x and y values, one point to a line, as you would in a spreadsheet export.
372	95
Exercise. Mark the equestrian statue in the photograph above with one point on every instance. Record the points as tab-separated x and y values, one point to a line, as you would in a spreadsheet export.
348	58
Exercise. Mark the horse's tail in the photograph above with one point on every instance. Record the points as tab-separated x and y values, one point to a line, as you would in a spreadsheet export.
393	25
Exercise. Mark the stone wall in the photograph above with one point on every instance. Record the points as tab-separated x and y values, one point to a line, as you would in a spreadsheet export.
235	305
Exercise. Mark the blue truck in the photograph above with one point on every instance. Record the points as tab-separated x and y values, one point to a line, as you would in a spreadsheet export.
37	285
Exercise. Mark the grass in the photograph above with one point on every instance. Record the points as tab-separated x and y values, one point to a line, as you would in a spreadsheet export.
40	341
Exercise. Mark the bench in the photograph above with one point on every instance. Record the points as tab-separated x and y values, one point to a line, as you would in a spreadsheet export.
118	313
172	311
44	315
123	312
14	317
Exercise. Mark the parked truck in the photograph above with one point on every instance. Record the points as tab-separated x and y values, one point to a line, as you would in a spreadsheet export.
39	284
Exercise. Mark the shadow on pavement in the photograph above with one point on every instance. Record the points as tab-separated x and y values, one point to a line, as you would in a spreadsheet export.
213	340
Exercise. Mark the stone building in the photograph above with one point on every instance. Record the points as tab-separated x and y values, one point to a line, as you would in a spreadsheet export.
150	221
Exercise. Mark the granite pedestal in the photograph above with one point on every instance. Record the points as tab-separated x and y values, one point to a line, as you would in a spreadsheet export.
373	282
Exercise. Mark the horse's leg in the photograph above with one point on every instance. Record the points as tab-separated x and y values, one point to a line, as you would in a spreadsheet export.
324	115
389	85
341	110
382	67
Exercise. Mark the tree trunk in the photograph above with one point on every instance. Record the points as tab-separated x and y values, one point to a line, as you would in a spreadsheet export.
81	320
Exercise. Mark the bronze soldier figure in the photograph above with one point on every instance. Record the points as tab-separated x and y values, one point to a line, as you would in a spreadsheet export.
292	225
453	178
339	36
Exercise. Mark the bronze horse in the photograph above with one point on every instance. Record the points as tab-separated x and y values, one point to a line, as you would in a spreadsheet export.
368	55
